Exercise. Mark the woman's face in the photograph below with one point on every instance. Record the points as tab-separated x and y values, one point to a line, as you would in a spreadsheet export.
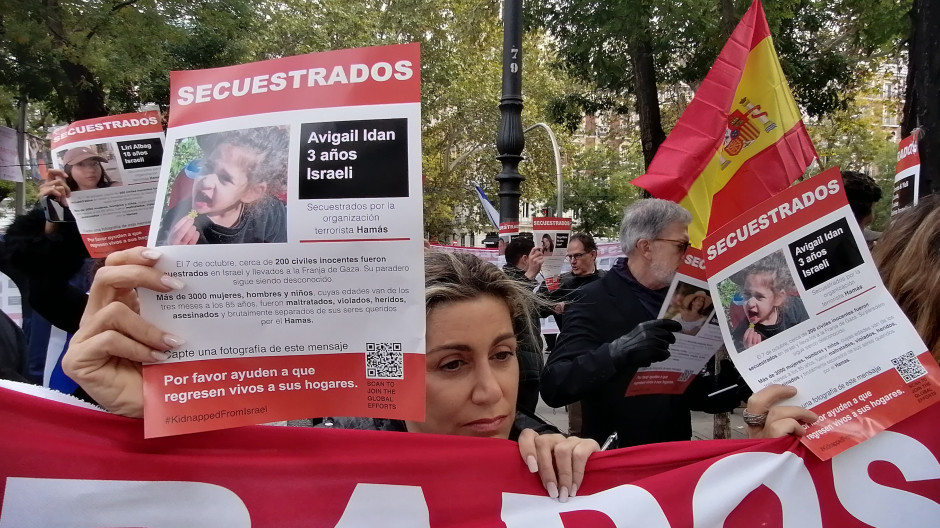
472	370
86	174
546	244
697	304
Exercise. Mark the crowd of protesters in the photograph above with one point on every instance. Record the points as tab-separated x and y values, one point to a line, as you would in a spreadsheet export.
490	384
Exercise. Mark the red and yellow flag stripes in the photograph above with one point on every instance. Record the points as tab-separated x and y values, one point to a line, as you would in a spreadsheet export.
740	140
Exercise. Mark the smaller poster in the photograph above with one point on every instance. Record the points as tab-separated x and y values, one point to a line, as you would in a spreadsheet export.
508	231
114	163
551	235
10	169
688	302
799	303
907	176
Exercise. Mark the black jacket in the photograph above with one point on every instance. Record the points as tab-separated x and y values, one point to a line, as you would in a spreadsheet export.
580	368
569	283
42	265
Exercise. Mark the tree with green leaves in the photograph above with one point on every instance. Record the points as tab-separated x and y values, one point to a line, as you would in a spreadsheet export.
98	57
597	187
823	46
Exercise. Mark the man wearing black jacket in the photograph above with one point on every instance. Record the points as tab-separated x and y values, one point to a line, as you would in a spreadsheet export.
523	263
613	331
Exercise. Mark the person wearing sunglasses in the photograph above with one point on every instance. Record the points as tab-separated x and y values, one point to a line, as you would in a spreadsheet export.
612	331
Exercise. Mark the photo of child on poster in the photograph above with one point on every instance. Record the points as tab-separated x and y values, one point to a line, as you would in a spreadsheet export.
691	306
227	188
761	301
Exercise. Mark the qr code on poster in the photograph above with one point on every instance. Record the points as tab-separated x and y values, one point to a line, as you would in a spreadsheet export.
909	367
384	361
685	375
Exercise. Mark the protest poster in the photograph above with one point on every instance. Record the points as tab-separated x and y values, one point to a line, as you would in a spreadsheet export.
290	205
802	305
551	235
688	302
74	467
128	147
508	231
907	175
10	169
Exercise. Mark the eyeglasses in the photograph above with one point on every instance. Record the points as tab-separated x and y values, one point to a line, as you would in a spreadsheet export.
683	245
575	256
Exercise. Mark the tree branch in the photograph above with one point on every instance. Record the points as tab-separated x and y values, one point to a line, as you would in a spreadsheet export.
114	9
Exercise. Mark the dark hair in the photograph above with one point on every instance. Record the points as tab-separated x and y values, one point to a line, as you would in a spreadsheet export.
585	239
862	192
103	182
518	248
551	242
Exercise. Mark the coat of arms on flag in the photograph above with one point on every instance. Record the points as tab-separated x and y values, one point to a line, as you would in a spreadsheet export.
740	141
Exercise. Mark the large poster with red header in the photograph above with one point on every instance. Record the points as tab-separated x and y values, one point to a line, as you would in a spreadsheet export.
801	303
112	212
73	468
290	208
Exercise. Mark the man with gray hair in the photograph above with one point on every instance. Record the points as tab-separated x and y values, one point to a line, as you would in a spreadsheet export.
613	331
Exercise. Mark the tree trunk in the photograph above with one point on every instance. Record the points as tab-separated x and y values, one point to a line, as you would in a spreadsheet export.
922	103
647	99
728	19
86	89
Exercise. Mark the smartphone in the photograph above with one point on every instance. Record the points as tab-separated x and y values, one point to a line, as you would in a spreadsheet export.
56	212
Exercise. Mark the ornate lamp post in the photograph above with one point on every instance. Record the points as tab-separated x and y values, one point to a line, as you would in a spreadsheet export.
510	139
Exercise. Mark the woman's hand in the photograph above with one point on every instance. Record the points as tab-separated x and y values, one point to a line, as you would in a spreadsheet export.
558	460
779	420
183	232
55	186
105	355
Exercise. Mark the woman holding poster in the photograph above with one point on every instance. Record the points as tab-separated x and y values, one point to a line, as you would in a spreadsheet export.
474	313
45	247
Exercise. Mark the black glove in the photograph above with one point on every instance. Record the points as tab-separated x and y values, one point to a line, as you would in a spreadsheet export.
644	345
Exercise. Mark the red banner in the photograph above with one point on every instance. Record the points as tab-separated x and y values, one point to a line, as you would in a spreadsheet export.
68	466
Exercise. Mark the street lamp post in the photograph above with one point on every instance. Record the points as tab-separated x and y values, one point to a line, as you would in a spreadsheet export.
560	185
510	139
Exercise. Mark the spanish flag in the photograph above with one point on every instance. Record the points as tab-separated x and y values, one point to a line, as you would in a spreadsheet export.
741	139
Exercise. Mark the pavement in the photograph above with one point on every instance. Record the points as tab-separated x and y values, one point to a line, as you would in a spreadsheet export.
702	423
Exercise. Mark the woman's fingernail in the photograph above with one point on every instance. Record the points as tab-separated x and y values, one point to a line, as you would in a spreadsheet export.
159	356
563	494
151	254
171	282
574	490
531	463
552	490
173	341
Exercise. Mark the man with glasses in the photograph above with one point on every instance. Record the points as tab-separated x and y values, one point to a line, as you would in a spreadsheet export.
582	254
612	330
